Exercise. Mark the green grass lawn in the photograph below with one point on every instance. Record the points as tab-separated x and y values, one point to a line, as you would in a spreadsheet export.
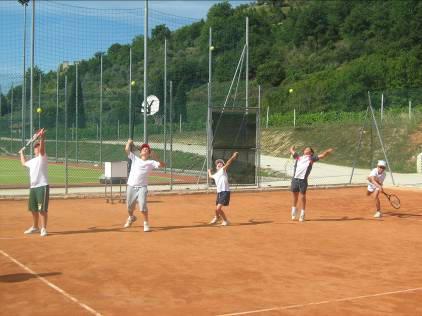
12	173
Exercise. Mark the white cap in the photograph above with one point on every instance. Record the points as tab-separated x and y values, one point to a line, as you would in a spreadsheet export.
381	163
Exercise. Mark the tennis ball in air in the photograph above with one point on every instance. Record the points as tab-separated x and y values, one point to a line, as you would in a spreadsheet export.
39	110
211	47
133	82
290	90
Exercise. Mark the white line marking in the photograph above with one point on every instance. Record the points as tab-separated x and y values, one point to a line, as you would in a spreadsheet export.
322	302
73	299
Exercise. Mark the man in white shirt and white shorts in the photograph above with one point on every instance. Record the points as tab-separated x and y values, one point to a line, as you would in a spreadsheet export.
39	189
137	183
376	179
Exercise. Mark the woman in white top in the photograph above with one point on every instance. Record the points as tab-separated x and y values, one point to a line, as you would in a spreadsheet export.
223	191
137	183
376	179
39	188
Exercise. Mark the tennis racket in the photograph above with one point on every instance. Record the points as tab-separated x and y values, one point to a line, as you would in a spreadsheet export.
393	199
33	139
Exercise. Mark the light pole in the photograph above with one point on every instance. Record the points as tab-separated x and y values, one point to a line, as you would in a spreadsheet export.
24	3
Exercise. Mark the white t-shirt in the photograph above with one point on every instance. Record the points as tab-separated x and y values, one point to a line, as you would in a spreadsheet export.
221	180
38	171
380	177
139	170
303	165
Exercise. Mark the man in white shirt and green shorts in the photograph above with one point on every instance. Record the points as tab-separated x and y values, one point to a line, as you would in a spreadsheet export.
137	182
39	188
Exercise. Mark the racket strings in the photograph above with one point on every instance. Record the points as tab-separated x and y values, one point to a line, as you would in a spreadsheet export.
394	201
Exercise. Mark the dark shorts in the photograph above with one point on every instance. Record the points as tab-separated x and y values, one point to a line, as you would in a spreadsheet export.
38	199
223	198
299	185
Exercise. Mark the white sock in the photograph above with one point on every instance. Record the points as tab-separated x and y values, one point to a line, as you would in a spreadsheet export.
302	212
293	209
145	223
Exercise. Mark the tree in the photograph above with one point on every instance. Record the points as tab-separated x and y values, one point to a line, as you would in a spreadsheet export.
160	33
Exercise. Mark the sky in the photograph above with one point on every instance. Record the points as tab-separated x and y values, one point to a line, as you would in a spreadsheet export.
74	30
196	9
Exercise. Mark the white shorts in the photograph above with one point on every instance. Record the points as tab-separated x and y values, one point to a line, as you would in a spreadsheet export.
137	194
372	188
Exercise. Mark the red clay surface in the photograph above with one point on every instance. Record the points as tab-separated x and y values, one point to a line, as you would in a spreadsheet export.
341	261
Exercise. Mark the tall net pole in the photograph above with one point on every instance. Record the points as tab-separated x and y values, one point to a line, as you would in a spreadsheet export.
247	64
77	111
57	112
24	76
165	103
145	70
101	109
209	132
31	121
130	93
66	181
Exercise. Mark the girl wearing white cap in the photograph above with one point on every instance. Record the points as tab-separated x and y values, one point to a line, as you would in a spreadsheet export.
223	191
376	179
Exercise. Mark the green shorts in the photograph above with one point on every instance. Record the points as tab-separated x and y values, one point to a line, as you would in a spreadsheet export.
38	199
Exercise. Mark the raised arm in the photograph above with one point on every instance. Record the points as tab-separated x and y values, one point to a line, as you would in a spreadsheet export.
23	160
209	173
129	146
230	161
157	158
325	153
42	142
292	150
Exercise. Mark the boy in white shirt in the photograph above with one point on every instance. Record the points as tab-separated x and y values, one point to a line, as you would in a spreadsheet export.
223	191
302	170
376	179
39	188
137	182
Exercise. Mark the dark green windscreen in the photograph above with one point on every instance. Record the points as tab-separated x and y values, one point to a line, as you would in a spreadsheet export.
234	129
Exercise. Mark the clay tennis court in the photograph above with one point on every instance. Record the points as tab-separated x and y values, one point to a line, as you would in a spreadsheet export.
340	261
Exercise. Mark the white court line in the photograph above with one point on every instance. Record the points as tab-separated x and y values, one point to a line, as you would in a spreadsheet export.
63	292
320	303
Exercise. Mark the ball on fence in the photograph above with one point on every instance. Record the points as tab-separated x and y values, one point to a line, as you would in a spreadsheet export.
39	110
133	82
290	90
211	47
95	165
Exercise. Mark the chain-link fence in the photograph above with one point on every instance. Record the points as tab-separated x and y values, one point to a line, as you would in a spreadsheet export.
88	90
360	139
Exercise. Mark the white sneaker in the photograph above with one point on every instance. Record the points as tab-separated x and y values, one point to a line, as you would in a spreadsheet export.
146	227
378	214
130	221
294	215
214	221
31	230
225	223
43	232
302	217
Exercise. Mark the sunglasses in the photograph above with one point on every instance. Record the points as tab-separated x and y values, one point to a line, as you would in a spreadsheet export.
382	167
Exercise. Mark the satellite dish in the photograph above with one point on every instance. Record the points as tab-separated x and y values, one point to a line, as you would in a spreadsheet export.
153	105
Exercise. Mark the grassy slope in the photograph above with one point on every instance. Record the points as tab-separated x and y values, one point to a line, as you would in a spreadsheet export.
344	138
